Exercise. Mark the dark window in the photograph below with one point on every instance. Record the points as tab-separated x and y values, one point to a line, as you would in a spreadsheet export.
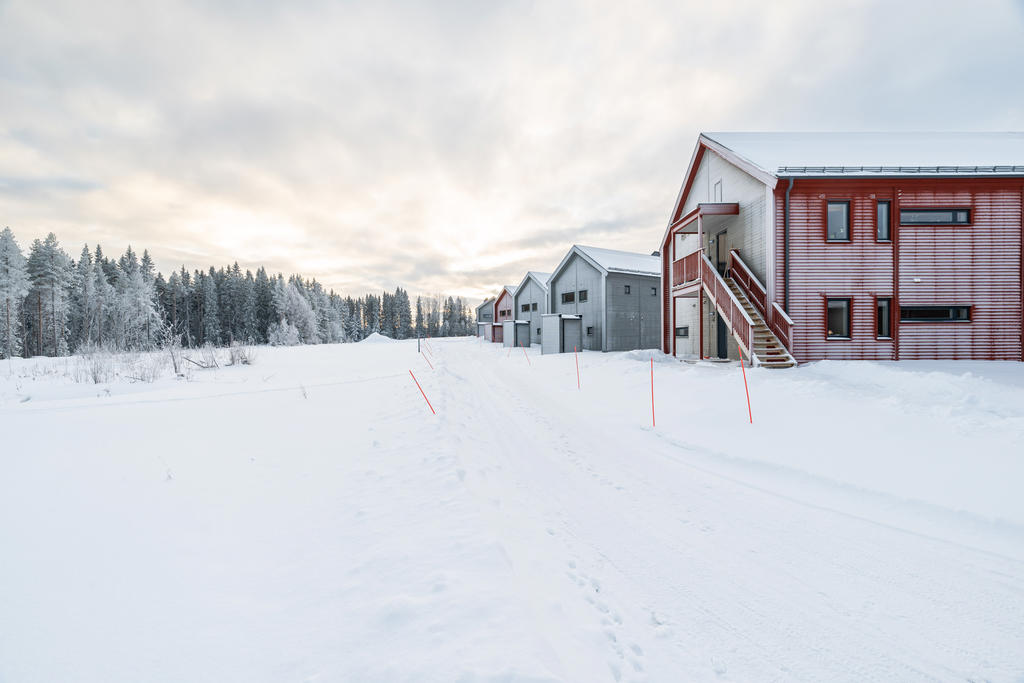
525	307
884	318
935	216
838	222
533	306
568	297
654	291
583	295
838	322
538	330
683	331
627	289
935	314
882	218
590	331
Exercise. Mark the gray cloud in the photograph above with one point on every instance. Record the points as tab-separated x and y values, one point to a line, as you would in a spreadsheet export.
444	146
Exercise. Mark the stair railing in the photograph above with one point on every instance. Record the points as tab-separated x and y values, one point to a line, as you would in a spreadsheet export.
728	305
776	319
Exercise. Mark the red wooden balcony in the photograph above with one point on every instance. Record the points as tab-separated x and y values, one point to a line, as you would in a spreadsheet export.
686	269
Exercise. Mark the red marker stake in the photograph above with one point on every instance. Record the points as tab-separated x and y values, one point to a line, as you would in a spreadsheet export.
746	389
426	359
422	392
526	355
509	354
576	356
653	423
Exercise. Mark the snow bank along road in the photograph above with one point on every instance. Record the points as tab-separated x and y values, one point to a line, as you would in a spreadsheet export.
308	519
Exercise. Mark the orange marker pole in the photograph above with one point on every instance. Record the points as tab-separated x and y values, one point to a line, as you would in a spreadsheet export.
427	359
576	356
746	389
525	354
422	392
653	423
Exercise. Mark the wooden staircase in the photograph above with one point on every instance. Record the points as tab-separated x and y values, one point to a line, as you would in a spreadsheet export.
768	350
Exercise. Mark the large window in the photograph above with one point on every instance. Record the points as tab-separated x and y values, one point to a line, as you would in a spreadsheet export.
884	322
524	308
935	216
568	297
935	314
882	210
583	295
533	306
838	222
837	322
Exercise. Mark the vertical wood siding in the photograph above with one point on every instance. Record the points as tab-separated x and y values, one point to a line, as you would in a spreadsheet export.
746	231
504	302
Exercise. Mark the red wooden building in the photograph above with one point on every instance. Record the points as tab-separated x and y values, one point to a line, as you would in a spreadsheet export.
793	247
504	309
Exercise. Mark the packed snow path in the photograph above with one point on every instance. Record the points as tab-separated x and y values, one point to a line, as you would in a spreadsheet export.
308	519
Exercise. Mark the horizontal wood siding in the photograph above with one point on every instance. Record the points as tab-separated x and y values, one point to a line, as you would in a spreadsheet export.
860	270
977	265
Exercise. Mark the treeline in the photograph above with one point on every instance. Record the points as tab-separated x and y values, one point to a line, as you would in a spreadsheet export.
51	304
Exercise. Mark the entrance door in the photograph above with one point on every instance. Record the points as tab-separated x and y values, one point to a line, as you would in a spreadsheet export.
572	334
522	334
722	335
722	251
498	332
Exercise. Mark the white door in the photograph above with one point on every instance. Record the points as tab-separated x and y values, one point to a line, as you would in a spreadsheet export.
687	326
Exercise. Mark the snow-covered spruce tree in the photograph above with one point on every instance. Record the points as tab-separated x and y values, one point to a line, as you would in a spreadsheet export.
404	314
419	317
211	332
13	288
139	320
49	277
353	318
264	306
83	301
291	307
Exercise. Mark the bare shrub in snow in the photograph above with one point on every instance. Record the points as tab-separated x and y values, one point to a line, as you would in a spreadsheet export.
146	367
93	364
97	365
241	354
208	354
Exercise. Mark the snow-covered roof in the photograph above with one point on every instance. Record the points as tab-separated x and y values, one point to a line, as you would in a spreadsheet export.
874	154
537	276
540	277
622	261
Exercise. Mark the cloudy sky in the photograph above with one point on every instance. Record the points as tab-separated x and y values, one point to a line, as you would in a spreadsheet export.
444	146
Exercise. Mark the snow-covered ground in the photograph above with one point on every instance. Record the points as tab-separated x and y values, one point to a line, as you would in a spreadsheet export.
307	518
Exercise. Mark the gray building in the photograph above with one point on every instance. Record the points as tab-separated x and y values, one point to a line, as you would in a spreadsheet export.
484	319
531	302
614	294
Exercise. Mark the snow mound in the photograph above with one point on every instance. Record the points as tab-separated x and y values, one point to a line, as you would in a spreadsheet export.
377	338
645	355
